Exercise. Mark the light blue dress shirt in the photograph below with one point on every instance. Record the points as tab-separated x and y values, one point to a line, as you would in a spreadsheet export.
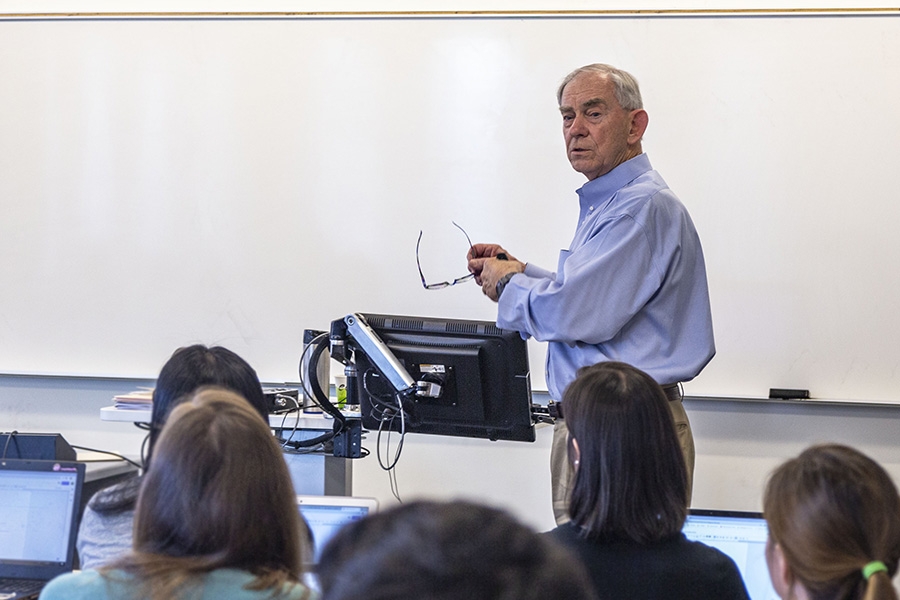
631	287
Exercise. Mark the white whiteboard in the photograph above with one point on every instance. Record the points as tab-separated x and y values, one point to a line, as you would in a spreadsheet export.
234	181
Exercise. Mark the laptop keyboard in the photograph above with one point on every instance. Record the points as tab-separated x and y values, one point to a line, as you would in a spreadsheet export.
21	586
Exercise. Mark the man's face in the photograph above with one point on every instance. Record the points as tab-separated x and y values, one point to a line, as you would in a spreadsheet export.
599	133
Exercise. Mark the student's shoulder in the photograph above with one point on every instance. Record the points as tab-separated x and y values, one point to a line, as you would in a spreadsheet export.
707	554
715	568
231	584
76	586
103	538
566	534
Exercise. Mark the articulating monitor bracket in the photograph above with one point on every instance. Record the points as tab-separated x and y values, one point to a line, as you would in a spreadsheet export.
355	327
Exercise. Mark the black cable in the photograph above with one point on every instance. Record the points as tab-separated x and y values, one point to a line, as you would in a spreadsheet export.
288	410
391	468
308	445
314	391
337	427
379	403
312	450
296	421
9	437
385	409
395	485
317	345
390	423
116	454
321	439
144	445
312	343
318	395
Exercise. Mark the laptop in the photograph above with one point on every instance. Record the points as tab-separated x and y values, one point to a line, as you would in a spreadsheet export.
325	515
742	536
38	523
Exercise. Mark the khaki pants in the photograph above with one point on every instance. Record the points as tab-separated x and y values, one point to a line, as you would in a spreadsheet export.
560	474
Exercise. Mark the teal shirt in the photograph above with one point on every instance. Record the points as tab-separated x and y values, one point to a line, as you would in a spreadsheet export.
225	584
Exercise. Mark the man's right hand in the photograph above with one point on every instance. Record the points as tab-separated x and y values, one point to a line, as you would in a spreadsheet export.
479	253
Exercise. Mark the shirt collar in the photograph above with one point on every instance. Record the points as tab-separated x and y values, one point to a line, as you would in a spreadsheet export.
607	185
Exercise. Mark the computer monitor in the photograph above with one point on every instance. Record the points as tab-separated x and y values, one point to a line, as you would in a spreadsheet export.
482	371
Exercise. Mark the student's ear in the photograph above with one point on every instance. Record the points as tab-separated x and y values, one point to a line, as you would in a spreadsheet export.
779	569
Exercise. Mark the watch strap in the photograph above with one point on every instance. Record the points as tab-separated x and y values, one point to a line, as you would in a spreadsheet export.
501	285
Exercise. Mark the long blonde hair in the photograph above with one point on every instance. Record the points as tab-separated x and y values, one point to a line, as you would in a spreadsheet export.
219	495
833	511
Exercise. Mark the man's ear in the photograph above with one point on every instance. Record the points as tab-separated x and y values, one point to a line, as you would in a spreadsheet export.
639	121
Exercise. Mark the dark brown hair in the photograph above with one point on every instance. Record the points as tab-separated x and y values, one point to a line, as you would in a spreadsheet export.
833	510
460	550
219	496
631	480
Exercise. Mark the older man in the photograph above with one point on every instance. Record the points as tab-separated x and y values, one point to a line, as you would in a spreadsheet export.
632	285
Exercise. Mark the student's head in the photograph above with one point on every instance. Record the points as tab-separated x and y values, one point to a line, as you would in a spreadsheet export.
831	512
630	478
219	494
447	551
194	366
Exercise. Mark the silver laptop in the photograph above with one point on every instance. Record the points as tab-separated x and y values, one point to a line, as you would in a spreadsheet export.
325	515
742	536
38	523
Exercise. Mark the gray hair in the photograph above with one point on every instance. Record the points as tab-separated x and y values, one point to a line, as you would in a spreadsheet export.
625	86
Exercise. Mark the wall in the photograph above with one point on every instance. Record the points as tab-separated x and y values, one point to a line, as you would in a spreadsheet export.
168	180
738	444
236	180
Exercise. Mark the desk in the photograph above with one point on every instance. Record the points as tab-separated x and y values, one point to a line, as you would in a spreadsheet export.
313	474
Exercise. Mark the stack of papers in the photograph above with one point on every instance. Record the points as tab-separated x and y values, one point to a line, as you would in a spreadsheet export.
138	400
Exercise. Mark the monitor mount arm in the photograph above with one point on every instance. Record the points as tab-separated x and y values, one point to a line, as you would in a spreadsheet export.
354	328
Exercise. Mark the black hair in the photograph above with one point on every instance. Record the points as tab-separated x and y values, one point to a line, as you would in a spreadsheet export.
459	550
188	369
631	480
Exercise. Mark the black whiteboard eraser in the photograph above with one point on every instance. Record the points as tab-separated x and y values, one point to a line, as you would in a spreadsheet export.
788	394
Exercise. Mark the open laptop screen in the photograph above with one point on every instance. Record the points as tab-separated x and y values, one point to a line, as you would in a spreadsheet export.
325	515
740	535
38	519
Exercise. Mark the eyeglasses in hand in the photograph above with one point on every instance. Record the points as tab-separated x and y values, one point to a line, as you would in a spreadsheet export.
443	284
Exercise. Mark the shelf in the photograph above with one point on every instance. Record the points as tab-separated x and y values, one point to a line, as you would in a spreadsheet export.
286	421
